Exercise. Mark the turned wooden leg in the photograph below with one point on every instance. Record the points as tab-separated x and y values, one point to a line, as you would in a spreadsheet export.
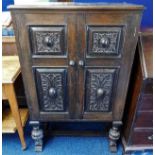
10	92
114	135
37	135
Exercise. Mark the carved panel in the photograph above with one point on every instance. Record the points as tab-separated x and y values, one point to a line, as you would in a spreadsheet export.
51	84
99	87
47	40
104	41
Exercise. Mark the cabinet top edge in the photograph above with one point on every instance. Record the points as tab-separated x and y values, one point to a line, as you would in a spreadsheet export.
77	6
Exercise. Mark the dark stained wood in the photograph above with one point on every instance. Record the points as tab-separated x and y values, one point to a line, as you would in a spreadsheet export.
147	101
144	119
75	133
138	118
143	137
95	44
56	62
132	97
81	41
147	43
53	81
72	73
24	56
79	6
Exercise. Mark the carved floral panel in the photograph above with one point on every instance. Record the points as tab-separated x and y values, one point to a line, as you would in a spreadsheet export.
47	40
51	89
99	88
104	41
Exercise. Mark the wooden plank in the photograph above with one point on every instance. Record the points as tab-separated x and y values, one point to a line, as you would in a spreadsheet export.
146	55
75	133
4	96
9	46
8	39
8	122
10	69
81	6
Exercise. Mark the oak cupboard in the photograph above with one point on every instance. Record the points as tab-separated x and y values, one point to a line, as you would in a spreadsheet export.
76	61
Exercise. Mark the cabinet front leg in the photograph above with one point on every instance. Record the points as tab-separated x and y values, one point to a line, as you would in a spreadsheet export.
114	135
37	136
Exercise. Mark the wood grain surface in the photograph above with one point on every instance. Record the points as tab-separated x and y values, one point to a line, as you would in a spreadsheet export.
10	69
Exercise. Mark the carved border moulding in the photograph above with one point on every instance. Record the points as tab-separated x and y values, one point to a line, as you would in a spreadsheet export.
47	40
51	88
104	40
99	89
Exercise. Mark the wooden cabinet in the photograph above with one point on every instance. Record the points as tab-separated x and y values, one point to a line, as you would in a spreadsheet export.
76	61
138	121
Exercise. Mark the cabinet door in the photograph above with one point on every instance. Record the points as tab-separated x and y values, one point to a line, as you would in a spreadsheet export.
52	89
47	55
100	88
107	42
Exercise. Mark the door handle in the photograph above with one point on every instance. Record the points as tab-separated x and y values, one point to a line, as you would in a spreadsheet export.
72	63
81	63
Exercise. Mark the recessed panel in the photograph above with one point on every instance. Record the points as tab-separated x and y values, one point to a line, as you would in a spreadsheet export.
47	40
104	40
99	89
51	88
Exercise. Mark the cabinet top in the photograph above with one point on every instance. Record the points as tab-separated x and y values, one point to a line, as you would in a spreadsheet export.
77	6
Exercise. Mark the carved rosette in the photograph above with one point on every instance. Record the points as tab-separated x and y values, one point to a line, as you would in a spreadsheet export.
47	40
42	46
99	85
104	40
110	48
51	89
